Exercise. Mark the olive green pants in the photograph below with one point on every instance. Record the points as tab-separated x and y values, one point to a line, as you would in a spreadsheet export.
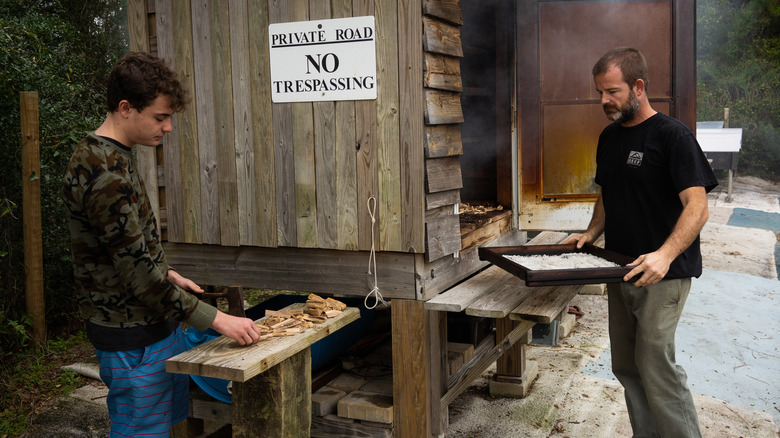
642	325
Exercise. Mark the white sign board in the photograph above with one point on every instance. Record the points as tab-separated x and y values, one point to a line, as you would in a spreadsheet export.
323	60
720	140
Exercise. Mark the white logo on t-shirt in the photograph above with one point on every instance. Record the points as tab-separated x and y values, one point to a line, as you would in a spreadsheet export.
635	158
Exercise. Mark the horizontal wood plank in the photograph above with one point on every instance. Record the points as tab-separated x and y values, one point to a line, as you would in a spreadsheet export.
442	72
502	299
440	199
297	269
443	141
461	296
333	426
545	304
443	174
223	358
475	235
442	107
449	10
441	37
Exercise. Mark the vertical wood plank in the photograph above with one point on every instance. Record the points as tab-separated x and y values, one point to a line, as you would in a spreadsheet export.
437	322
684	63
365	136
279	12
303	145
262	116
31	209
187	126
411	369
137	25
171	142
512	362
347	202
388	158
140	33
325	155
242	118
411	134
223	118
204	101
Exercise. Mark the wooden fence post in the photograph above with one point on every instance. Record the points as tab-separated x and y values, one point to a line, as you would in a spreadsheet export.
31	214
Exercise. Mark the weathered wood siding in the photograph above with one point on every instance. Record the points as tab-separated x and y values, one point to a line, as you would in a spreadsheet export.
443	115
239	170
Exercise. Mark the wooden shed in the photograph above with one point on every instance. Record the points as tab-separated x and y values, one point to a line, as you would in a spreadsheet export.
486	103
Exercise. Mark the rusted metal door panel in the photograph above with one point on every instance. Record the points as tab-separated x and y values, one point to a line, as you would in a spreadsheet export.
560	112
573	35
569	153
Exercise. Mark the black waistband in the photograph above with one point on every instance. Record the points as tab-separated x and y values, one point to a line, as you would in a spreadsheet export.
122	339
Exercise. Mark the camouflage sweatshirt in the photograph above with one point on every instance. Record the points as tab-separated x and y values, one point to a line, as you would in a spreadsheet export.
118	261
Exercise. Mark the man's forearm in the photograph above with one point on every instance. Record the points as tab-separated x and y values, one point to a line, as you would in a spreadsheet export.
689	224
596	225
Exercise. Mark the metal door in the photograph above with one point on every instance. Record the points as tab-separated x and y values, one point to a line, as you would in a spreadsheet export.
560	114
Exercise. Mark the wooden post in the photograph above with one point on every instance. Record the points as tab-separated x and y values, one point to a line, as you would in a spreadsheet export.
513	374
31	213
411	370
731	167
276	403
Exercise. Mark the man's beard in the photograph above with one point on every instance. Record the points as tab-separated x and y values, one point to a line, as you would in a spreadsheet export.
626	112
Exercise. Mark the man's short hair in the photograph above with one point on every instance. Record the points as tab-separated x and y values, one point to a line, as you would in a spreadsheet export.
139	78
631	62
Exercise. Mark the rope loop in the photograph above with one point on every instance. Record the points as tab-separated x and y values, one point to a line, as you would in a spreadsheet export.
371	204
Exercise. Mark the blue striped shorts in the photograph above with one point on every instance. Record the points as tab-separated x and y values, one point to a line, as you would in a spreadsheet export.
143	399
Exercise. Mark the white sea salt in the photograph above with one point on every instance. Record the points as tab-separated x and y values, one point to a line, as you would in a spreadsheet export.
570	260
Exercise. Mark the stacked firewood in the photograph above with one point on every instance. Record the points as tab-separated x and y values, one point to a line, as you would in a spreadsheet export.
291	321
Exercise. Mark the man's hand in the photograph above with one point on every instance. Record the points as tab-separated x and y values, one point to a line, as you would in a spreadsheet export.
653	267
595	227
242	330
580	239
183	283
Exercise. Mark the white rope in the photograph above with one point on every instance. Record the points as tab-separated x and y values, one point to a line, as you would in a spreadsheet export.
372	259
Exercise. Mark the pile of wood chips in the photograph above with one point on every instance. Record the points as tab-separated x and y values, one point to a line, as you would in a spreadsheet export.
289	322
464	208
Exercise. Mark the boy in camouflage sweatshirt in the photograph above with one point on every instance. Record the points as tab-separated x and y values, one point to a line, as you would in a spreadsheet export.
131	299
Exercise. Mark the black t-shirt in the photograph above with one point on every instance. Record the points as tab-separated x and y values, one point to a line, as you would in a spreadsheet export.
641	171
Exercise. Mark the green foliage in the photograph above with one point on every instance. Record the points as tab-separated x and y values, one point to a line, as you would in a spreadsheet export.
14	332
35	376
63	50
738	66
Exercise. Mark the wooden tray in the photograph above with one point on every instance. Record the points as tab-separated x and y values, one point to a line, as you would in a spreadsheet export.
556	277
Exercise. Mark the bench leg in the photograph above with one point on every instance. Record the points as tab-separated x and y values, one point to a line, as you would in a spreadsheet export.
276	403
411	369
514	373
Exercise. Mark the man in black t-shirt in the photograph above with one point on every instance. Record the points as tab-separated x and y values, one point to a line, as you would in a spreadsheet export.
654	180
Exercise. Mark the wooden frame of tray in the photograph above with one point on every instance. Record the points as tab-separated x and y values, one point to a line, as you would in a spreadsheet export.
556	277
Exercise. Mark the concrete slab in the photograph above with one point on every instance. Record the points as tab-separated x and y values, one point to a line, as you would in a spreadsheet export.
727	341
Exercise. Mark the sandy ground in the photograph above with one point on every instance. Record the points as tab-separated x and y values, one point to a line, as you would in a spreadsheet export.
729	349
570	398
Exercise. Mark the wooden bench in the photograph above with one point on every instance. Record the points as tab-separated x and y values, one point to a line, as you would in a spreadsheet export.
495	293
271	389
